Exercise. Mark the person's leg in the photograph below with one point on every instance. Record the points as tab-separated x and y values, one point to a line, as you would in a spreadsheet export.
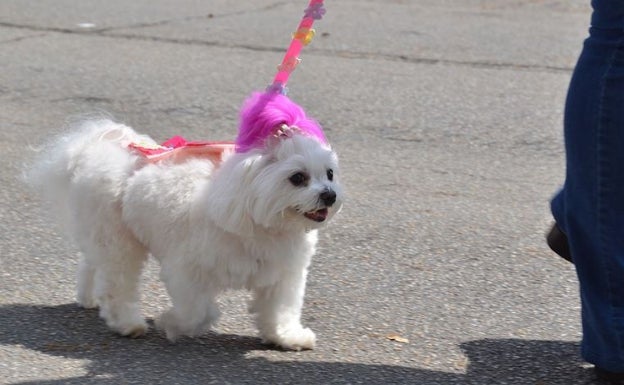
590	207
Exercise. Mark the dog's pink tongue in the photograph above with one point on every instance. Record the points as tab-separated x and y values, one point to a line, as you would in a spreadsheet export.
317	216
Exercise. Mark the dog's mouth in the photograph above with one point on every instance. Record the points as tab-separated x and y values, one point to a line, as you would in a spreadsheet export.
317	216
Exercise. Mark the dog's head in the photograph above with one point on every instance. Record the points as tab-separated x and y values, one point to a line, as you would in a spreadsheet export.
284	175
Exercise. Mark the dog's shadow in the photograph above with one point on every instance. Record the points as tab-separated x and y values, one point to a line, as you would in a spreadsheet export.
75	333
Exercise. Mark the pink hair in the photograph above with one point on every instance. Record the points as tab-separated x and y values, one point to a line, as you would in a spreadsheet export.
263	113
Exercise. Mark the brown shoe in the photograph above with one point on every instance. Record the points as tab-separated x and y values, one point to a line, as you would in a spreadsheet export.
558	242
613	378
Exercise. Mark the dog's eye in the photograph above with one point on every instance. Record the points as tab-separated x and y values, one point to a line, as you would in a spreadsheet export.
298	179
330	174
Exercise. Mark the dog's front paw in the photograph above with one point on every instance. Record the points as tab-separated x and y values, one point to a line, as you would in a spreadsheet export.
134	331
176	326
125	320
129	328
168	323
293	338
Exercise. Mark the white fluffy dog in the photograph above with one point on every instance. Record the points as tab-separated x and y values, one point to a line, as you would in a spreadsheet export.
247	222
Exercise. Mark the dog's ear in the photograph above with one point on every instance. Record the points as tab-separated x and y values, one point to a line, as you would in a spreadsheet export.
229	201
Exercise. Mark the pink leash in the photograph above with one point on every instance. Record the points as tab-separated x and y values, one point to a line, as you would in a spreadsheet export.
178	148
302	37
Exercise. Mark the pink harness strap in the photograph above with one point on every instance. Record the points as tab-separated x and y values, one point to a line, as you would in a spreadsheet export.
179	149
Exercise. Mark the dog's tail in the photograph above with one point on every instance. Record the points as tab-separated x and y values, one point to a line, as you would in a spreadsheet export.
62	160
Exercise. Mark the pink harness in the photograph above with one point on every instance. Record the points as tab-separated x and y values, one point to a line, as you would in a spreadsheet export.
179	149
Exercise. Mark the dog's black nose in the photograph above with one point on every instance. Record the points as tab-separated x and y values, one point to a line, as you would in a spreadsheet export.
328	197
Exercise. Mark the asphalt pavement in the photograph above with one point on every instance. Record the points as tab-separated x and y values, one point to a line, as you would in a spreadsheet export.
447	117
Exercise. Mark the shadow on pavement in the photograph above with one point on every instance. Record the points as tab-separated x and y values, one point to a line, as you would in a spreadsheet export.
68	331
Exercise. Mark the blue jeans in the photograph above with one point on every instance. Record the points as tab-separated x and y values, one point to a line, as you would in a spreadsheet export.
590	207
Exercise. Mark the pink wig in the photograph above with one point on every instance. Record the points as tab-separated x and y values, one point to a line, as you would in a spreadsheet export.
264	113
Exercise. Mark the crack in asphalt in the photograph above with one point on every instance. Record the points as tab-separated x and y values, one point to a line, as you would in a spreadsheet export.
195	18
20	38
345	54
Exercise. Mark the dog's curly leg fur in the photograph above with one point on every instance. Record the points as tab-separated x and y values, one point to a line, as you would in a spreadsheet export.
194	308
84	284
116	292
278	313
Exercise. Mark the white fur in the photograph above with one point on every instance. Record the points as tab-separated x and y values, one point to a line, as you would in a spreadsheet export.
239	225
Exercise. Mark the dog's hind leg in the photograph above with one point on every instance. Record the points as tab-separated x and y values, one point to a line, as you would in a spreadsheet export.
84	287
194	308
108	274
116	288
